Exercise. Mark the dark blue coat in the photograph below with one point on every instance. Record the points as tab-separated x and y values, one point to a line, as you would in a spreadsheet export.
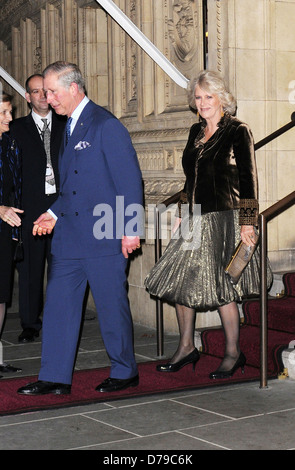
98	171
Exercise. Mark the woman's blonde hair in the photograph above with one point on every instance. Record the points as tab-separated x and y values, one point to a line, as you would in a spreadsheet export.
214	84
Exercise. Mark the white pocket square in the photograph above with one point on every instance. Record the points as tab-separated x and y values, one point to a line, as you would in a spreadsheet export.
82	145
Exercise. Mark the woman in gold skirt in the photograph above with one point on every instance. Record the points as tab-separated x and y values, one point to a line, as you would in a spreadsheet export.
221	180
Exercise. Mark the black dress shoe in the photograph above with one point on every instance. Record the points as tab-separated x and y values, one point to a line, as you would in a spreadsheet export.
113	385
43	388
191	358
28	335
226	374
8	368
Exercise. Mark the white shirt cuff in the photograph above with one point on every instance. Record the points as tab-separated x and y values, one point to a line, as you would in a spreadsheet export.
53	214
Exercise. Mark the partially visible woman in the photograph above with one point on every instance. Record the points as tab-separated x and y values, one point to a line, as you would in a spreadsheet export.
221	177
10	191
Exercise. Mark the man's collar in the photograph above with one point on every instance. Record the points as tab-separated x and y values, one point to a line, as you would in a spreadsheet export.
37	118
78	110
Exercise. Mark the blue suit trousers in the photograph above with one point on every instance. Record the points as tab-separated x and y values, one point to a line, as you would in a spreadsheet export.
66	287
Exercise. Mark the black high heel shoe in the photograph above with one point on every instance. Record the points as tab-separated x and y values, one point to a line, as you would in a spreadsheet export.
191	358
225	374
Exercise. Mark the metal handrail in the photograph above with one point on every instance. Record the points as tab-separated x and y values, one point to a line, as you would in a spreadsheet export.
161	207
264	218
277	133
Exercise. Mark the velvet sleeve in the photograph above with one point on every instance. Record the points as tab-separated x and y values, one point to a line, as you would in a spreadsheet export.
246	164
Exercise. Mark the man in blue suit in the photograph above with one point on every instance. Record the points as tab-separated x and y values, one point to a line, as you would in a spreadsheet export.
99	176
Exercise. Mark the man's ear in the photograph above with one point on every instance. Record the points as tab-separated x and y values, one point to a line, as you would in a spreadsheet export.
74	89
28	98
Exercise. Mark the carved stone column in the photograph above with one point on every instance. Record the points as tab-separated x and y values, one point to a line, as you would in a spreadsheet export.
70	21
93	52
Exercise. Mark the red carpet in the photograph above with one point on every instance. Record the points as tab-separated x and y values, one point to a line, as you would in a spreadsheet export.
281	330
84	383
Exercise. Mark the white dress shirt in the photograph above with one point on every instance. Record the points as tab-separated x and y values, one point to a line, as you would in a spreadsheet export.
75	117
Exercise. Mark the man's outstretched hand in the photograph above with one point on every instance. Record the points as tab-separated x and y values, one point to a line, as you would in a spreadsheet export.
44	224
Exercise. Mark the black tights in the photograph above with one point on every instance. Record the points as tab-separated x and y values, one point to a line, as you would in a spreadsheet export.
230	319
186	318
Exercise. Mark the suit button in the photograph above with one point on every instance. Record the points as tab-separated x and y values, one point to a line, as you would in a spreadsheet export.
77	213
62	214
76	171
74	192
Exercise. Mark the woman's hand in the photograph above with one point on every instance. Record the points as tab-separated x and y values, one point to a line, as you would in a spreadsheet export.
9	215
248	234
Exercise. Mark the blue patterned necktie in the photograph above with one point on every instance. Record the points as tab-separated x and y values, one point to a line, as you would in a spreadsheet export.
68	130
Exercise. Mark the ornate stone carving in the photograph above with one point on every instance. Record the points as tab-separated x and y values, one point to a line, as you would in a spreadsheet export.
157	190
218	36
182	30
133	58
38	60
160	133
9	8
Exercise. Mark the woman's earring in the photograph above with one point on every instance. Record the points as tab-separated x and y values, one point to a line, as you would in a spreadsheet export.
222	112
198	116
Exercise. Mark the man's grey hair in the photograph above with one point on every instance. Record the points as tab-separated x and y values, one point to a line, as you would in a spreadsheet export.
67	73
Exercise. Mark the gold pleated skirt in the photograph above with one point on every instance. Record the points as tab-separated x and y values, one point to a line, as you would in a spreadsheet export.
191	270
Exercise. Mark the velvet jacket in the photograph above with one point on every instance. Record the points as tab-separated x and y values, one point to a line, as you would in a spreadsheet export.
221	173
9	151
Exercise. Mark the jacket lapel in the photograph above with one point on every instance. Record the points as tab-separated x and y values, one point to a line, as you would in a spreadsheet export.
67	152
32	129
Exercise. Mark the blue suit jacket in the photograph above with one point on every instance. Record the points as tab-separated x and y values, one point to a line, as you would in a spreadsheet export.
98	171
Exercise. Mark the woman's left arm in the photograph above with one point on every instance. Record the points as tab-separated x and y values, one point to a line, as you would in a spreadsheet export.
246	163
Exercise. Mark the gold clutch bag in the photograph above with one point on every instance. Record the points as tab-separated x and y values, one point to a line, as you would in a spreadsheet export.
239	260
